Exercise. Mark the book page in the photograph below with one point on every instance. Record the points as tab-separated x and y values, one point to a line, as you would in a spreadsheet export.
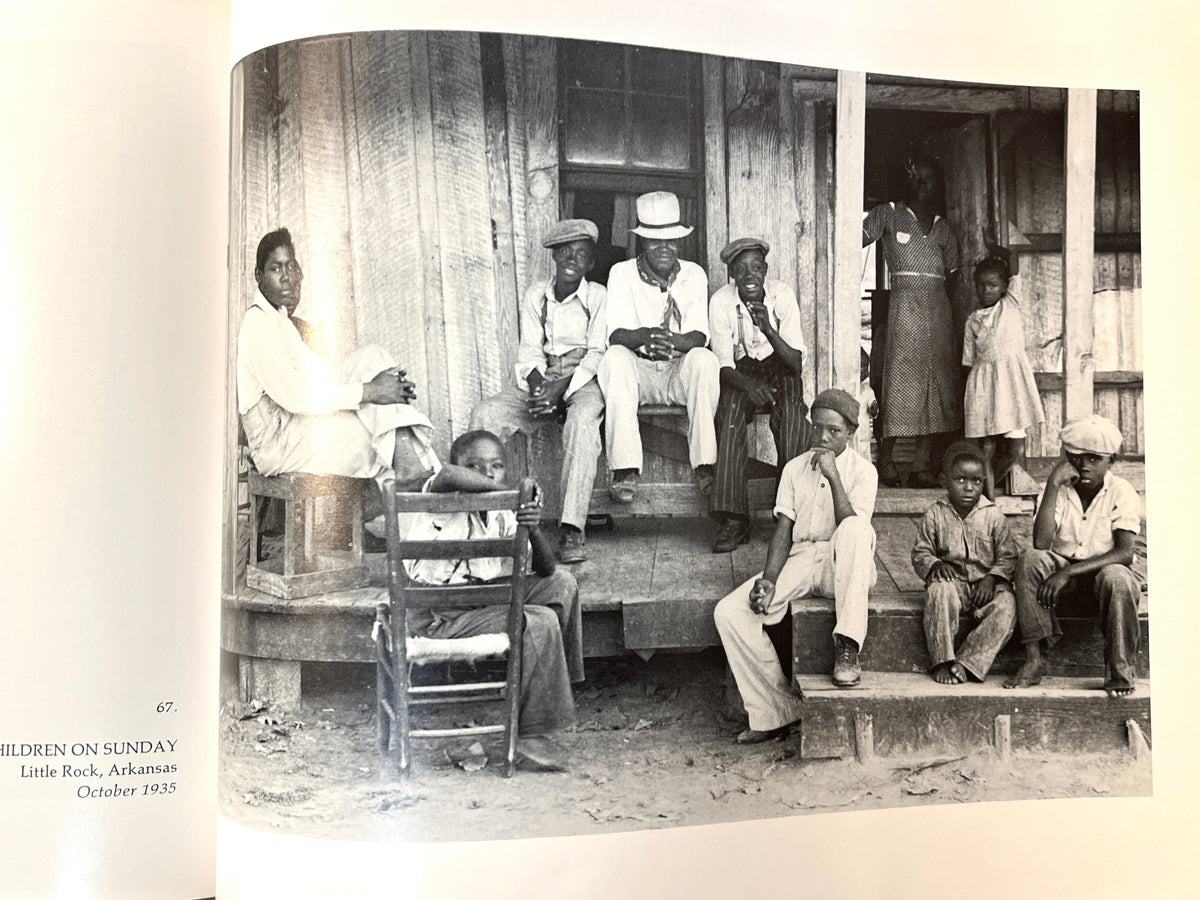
112	253
312	100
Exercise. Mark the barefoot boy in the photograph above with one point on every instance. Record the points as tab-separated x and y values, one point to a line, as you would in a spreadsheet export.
823	546
966	553
1083	533
552	652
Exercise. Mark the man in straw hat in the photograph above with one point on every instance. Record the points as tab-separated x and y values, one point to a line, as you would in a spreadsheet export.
1083	532
823	546
657	334
759	342
563	337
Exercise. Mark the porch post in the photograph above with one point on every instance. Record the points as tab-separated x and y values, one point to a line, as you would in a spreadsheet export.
716	207
847	233
1078	245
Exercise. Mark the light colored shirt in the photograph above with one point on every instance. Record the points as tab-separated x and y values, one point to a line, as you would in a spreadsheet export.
805	497
459	526
978	545
633	304
274	360
552	328
733	332
1080	535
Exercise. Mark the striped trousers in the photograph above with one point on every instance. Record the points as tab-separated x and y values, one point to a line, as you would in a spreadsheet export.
789	426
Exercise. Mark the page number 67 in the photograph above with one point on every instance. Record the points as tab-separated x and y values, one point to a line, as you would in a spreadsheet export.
165	706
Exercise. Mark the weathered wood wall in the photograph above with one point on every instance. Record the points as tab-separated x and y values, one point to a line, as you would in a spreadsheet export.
389	158
1031	163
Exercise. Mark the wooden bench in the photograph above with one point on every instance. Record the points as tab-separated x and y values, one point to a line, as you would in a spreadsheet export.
301	570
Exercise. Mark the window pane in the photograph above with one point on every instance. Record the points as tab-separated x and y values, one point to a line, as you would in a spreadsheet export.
593	64
594	127
660	71
661	133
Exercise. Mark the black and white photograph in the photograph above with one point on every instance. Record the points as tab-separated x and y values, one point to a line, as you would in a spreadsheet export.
782	425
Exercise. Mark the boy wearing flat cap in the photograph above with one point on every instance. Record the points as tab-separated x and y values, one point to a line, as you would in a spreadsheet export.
756	333
823	546
658	336
1083	532
563	336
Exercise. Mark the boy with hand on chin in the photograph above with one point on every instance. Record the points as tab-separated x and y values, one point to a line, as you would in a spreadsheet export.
966	553
552	652
1083	533
823	546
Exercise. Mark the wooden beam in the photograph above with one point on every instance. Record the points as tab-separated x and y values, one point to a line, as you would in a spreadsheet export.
1053	381
1116	242
847	231
918	97
716	200
1078	242
806	233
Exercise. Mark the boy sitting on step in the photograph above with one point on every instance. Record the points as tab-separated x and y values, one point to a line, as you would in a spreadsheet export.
966	553
1083	532
552	651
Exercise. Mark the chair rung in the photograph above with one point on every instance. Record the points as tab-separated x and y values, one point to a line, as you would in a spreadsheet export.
417	690
387	710
470	698
456	732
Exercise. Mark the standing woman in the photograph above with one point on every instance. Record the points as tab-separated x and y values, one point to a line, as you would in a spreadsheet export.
922	397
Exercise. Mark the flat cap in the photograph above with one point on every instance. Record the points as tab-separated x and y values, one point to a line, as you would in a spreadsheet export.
840	402
1090	434
570	230
733	248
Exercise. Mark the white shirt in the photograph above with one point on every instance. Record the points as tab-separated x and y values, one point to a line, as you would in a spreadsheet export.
1080	535
805	497
633	304
457	526
574	323
733	332
274	360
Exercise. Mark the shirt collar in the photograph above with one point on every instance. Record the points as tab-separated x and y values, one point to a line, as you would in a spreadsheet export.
983	503
580	292
261	302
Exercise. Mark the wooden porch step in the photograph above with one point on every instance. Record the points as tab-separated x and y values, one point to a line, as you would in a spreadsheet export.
898	714
896	639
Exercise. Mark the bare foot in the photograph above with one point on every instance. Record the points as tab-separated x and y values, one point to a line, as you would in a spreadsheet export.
1125	691
539	753
1028	675
949	673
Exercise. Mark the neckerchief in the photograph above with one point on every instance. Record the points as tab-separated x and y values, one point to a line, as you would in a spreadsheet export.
672	317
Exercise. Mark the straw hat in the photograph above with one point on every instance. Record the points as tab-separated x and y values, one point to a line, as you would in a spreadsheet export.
658	217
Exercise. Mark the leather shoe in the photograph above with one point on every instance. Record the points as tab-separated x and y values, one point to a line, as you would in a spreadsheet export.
846	670
570	546
623	488
733	533
750	736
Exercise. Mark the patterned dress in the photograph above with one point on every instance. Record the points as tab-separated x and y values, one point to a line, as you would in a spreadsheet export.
1002	394
920	378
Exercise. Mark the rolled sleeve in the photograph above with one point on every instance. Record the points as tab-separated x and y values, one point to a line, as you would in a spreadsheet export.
876	222
785	495
862	491
691	294
1127	509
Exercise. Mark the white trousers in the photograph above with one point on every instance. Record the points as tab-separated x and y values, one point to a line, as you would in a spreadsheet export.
506	413
842	568
627	380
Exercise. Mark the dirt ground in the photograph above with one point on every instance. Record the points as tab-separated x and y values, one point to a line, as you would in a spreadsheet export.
651	750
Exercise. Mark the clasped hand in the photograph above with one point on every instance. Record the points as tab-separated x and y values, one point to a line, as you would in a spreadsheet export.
546	397
389	386
530	514
660	344
761	596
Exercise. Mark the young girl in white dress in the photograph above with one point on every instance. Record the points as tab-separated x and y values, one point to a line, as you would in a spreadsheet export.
1001	396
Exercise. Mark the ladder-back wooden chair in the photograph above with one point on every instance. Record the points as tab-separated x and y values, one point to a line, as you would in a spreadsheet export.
398	651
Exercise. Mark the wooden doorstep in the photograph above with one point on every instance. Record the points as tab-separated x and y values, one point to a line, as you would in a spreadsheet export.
901	715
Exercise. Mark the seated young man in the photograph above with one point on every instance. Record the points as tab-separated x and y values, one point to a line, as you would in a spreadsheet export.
823	546
552	652
756	334
563	336
1083	532
303	414
657	335
966	553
